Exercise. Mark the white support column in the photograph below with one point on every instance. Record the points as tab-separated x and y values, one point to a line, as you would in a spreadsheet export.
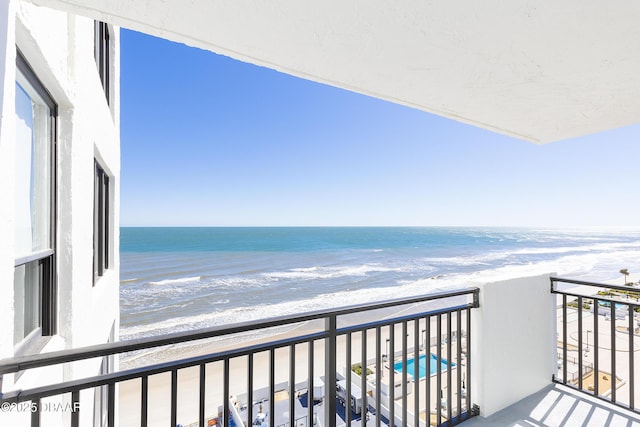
513	342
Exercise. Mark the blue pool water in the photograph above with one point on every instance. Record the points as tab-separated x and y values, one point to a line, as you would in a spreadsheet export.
422	365
608	304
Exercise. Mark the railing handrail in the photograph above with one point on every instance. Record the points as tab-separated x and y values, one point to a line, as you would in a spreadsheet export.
592	284
148	370
16	364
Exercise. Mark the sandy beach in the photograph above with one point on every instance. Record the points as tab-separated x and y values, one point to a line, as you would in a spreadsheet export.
188	379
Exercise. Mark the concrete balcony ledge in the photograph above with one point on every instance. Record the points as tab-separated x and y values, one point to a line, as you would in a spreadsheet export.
558	405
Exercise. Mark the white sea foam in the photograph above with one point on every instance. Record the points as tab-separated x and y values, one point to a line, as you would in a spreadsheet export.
333	272
195	296
314	273
176	281
603	247
594	266
489	257
239	282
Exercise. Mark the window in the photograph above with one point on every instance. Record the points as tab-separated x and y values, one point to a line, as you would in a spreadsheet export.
35	305
100	222
102	52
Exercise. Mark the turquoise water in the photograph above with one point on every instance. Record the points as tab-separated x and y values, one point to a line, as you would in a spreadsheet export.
608	304
176	279
422	365
443	241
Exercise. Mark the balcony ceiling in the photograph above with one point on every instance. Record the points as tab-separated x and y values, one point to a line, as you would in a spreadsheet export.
539	71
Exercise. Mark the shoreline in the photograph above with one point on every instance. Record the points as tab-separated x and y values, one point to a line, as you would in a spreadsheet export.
167	289
188	378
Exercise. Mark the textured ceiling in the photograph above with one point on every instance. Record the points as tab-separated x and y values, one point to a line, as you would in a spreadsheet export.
539	71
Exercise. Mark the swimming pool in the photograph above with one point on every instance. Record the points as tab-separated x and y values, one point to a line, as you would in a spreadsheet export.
422	365
608	305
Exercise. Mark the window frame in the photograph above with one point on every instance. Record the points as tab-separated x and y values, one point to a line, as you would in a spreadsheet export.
46	259
103	56
101	222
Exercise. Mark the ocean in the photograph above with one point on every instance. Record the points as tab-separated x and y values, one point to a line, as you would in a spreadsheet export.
177	279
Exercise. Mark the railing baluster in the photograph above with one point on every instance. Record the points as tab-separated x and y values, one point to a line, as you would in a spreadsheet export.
613	352
468	357
202	394
427	352
379	371
631	358
416	372
144	401
596	353
272	386
449	396
174	397
225	393
111	402
580	349
75	411
35	415
347	397
404	372
250	388
459	360
564	339
439	368
310	397
363	384
292	384
330	369
391	350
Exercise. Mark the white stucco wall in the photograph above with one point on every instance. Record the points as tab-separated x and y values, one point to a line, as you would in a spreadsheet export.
513	341
7	134
60	49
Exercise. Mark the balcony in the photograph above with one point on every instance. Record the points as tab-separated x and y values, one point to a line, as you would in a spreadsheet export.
515	351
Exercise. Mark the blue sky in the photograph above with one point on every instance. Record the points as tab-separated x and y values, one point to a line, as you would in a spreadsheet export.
210	141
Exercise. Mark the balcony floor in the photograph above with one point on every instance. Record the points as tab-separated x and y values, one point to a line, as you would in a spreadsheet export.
557	405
